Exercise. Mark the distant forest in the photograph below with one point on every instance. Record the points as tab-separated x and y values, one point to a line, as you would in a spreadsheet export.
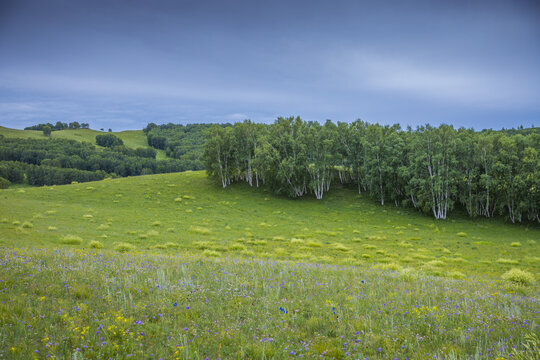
433	169
61	161
182	142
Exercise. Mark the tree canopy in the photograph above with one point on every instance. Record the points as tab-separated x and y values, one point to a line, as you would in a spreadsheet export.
432	169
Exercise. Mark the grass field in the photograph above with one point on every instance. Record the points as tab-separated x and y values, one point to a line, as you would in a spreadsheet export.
131	138
173	266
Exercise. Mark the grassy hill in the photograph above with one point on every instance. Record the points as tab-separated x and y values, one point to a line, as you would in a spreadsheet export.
131	138
174	266
191	211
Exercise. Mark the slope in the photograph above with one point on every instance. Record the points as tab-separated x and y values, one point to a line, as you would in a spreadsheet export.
188	212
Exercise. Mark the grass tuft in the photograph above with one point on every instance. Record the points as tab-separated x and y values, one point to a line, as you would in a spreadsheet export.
507	261
211	253
71	240
94	244
123	247
200	230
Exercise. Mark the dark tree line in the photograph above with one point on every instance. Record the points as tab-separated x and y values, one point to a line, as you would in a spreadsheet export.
52	158
58	126
182	142
433	169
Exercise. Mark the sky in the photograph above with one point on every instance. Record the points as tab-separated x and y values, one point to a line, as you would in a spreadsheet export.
123	64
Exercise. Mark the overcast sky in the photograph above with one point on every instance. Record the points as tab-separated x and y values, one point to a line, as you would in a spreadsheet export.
123	64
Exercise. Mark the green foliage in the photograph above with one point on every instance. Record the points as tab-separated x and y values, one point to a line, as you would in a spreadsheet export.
432	169
182	142
108	140
94	244
4	183
123	247
60	161
47	131
71	240
519	277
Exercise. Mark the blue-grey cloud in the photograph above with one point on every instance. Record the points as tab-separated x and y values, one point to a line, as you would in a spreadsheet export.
125	63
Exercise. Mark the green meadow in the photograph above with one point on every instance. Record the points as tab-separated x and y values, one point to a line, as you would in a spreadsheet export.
173	266
195	214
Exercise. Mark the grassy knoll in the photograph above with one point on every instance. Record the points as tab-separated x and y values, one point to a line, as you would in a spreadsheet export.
131	138
172	266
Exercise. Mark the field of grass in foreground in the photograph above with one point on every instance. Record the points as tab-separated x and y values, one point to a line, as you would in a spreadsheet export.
101	266
74	304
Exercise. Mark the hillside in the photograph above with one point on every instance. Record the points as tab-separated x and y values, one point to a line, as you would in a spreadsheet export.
192	211
132	138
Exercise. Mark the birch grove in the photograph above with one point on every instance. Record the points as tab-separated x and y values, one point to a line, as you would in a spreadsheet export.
432	169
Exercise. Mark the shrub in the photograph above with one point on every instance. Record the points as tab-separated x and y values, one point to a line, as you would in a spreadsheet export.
4	183
366	256
152	233
16	222
123	247
461	234
369	247
103	226
71	240
297	241
108	140
4	221
518	277
172	245
27	225
94	244
178	200
51	228
87	216
156	223
515	244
